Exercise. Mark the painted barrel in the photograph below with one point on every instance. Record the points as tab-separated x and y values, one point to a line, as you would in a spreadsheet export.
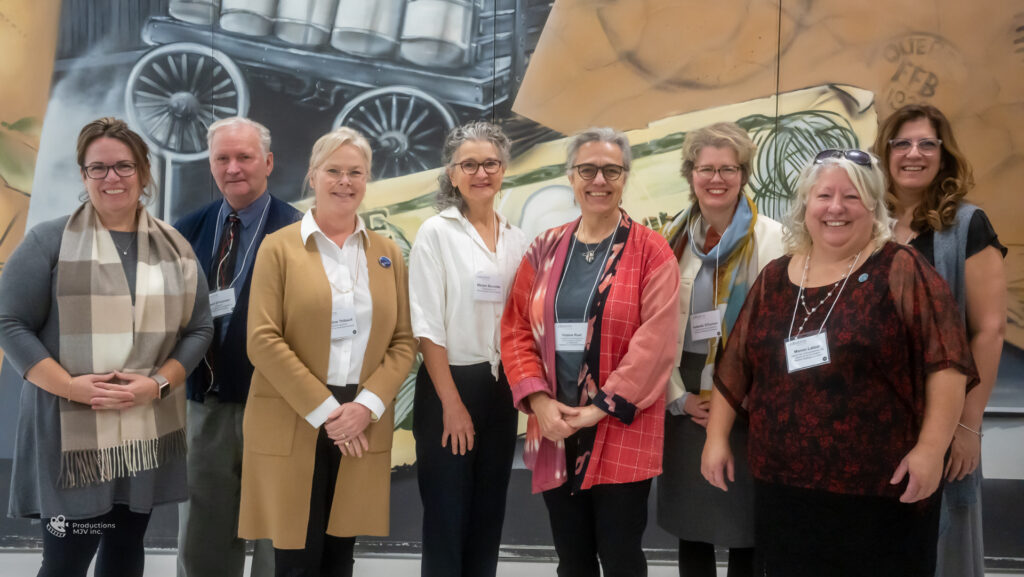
368	28
437	33
305	22
249	17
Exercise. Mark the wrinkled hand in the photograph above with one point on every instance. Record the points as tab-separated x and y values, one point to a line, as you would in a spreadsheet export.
698	410
585	417
347	422
458	426
133	390
964	455
354	447
551	416
924	468
717	464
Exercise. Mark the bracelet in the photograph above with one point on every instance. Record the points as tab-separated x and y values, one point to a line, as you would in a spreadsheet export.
979	433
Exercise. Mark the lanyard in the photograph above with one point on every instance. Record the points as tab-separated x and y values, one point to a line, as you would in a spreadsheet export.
216	237
597	279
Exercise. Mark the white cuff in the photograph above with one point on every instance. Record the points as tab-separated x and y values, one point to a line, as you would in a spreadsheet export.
371	401
676	407
319	415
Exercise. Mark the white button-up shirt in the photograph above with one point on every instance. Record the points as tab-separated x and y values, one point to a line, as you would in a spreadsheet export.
346	271
443	266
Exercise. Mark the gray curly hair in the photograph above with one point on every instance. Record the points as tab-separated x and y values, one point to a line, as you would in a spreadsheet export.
598	134
447	193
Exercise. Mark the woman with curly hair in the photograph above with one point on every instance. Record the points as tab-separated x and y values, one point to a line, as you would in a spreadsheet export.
928	178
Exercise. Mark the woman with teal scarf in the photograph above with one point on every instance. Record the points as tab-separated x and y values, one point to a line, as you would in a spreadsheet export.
722	243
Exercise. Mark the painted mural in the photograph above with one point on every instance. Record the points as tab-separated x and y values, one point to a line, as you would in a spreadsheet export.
799	75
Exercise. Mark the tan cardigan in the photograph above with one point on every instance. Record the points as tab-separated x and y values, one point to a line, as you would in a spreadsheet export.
289	346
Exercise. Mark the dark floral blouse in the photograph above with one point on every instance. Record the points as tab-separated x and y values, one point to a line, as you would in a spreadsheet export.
843	427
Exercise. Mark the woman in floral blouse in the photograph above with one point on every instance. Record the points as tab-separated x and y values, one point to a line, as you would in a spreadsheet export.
850	362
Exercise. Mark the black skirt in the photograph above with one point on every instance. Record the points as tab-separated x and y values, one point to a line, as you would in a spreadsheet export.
806	532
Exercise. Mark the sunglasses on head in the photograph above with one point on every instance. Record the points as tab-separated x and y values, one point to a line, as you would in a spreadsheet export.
852	154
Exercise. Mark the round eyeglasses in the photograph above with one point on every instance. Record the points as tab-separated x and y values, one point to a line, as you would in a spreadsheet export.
100	171
611	172
471	167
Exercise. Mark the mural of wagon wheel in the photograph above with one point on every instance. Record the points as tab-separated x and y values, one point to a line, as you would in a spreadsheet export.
406	128
176	91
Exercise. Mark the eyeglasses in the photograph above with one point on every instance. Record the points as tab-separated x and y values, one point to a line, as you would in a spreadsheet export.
338	174
100	171
471	167
589	171
852	154
926	146
727	172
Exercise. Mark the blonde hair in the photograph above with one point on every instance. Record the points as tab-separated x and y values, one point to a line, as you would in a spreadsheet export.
327	144
870	184
718	135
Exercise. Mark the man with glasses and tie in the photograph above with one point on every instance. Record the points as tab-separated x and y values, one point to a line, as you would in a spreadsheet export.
225	234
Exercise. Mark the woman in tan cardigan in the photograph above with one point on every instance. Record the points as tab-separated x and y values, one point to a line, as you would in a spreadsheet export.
330	340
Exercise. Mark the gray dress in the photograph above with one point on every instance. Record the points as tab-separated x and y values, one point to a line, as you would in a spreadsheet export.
688	506
29	333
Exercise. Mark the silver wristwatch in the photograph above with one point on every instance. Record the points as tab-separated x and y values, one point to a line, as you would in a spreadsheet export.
163	384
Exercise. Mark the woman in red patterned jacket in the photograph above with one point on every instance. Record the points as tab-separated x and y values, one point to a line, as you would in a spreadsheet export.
587	342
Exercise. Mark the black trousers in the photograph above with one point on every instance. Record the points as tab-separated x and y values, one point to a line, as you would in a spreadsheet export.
324	555
464	495
604	522
115	539
697	559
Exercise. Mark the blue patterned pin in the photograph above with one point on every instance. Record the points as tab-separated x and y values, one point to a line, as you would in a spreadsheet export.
863	277
384	262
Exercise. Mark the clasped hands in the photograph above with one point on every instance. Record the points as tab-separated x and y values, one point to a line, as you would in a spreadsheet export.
558	420
346	426
113	391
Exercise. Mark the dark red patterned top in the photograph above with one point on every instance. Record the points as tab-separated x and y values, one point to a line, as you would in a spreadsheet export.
843	427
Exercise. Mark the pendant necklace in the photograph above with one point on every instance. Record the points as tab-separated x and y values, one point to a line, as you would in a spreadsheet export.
588	253
810	310
124	250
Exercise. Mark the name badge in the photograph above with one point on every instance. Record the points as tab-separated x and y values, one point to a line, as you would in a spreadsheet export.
804	352
705	326
343	323
222	302
570	337
487	288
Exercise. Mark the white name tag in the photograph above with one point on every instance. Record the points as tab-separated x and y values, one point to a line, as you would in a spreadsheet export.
487	288
343	323
570	337
705	326
222	302
804	352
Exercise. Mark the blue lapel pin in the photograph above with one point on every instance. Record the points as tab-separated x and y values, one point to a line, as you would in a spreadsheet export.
863	277
384	262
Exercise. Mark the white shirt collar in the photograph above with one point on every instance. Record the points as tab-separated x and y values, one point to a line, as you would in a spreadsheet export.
454	213
309	226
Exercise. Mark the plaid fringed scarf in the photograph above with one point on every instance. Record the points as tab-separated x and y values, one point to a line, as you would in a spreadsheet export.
101	331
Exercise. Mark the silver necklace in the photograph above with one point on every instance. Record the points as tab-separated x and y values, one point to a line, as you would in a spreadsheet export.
803	280
589	253
124	250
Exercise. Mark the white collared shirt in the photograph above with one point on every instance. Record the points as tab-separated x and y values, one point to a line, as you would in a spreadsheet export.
443	266
349	278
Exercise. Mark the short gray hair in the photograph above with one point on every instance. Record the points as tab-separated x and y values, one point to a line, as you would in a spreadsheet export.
261	131
870	184
598	134
447	194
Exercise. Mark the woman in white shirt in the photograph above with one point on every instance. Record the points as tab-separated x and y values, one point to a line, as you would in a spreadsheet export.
460	269
331	342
